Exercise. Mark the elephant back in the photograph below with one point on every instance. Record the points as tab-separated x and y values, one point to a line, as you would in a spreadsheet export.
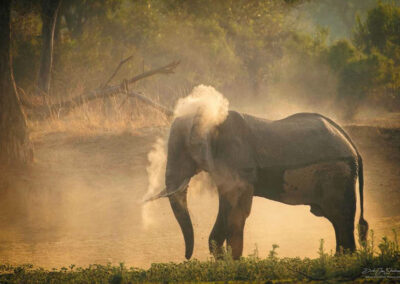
300	139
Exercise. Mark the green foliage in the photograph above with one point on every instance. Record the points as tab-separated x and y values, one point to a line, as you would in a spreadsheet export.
380	30
250	47
218	42
272	253
327	267
336	15
339	55
367	69
374	72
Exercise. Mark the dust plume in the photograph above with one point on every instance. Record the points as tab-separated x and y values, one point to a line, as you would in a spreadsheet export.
211	105
157	158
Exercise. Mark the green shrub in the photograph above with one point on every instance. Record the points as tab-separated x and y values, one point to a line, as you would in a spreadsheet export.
366	262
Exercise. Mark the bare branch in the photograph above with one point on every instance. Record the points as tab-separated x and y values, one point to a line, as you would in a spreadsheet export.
63	108
117	69
148	101
167	69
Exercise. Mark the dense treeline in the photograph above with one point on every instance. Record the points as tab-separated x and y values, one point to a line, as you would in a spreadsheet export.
247	49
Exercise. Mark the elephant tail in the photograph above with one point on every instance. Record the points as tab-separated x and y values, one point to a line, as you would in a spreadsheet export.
362	223
179	206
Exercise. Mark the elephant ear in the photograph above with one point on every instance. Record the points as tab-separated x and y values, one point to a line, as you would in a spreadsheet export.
200	142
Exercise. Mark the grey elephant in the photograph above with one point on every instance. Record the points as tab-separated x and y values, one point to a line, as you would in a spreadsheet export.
303	159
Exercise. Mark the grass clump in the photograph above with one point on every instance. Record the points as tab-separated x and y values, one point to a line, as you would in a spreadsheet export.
367	264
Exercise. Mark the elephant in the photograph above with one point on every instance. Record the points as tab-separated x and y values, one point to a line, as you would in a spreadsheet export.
303	159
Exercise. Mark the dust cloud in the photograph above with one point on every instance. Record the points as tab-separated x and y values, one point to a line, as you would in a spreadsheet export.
157	159
207	102
79	203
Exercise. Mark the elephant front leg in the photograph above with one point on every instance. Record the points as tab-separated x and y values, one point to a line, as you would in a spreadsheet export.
218	234
236	206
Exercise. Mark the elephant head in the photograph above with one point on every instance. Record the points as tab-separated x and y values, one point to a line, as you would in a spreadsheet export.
189	152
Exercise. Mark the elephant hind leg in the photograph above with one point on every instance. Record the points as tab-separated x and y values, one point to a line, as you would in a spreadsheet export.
342	219
344	232
337	201
341	213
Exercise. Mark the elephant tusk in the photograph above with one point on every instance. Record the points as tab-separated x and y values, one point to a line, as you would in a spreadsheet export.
164	193
161	194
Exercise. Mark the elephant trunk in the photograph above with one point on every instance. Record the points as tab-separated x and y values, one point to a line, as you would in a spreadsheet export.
178	203
180	168
177	179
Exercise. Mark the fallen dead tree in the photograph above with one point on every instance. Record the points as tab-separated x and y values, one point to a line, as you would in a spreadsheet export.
44	111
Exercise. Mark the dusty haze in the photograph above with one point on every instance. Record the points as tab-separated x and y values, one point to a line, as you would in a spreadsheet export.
80	202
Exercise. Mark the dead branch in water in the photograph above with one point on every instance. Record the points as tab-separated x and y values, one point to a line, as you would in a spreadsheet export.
40	112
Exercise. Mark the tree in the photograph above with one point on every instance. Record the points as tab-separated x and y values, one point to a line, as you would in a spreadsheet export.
15	146
253	30
77	13
380	30
339	15
378	38
49	19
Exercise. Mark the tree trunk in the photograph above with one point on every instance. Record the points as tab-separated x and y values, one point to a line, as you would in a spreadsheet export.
15	147
49	19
